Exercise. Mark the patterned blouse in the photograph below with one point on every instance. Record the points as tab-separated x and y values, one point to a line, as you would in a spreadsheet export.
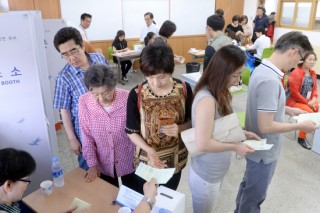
104	141
145	121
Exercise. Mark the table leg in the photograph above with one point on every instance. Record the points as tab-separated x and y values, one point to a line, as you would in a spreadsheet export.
119	71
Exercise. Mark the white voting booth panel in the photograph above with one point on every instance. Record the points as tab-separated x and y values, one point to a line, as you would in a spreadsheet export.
54	60
26	104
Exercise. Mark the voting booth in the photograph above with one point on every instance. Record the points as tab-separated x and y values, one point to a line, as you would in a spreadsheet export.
26	113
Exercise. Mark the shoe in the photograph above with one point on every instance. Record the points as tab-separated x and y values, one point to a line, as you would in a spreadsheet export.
124	79
304	143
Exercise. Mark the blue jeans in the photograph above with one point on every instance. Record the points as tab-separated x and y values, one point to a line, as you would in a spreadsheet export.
254	186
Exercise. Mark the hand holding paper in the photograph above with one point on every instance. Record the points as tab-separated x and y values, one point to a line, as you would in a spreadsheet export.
259	145
161	176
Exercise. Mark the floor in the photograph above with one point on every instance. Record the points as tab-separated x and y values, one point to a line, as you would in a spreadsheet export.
295	187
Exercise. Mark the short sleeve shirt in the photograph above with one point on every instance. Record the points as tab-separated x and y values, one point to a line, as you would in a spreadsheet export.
70	86
265	94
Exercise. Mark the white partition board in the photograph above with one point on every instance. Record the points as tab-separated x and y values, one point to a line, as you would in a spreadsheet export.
133	14
191	16
106	16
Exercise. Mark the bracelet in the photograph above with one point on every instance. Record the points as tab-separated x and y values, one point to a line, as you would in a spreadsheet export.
148	200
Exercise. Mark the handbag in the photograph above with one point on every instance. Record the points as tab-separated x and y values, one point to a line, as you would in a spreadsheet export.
225	129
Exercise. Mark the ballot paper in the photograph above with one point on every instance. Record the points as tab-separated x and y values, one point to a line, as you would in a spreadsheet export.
315	117
81	205
160	175
258	145
128	197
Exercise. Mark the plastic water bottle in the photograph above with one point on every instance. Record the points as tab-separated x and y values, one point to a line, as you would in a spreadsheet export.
57	173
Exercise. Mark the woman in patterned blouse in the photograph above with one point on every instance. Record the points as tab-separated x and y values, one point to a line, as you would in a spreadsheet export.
158	110
102	114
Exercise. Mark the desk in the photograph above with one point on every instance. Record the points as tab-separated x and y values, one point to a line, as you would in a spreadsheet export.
196	54
98	193
191	78
125	56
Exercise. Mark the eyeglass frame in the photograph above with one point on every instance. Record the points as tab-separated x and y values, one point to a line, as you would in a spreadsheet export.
73	52
28	181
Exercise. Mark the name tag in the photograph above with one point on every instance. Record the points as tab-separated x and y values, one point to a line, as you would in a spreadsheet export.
308	95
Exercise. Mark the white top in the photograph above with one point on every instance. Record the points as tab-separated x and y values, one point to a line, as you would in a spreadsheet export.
146	29
83	32
261	43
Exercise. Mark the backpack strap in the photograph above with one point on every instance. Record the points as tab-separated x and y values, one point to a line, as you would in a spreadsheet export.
184	89
139	95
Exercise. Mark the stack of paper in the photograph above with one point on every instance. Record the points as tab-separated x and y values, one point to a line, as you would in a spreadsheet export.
258	145
160	175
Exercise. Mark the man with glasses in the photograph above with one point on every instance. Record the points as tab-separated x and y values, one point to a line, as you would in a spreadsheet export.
16	167
265	116
216	37
70	83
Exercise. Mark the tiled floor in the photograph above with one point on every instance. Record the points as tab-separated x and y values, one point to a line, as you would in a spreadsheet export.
295	187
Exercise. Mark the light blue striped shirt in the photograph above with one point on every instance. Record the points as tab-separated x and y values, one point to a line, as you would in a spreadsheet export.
70	86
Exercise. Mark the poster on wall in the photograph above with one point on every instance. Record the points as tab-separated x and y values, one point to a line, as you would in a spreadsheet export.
26	105
54	60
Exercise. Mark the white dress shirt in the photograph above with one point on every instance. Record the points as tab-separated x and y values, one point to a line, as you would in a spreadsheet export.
83	32
261	43
146	29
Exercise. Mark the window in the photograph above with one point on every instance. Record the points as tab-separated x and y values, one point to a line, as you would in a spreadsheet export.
300	14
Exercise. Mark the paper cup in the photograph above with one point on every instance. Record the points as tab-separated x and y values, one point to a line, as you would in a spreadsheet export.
124	210
46	187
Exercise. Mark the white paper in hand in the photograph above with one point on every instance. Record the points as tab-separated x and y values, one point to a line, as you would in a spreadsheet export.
258	145
81	205
315	117
161	176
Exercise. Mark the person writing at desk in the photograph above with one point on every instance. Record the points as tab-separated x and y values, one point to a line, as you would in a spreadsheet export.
157	111
120	45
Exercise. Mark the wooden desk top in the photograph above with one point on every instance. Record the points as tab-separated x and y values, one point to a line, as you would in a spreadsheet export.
98	193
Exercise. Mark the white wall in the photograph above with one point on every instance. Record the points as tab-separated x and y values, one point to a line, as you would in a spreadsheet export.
109	16
249	9
313	38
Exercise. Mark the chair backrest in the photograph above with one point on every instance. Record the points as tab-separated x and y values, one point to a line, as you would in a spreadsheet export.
267	52
245	76
110	52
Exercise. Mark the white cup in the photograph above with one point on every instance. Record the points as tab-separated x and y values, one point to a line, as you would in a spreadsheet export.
124	210
46	187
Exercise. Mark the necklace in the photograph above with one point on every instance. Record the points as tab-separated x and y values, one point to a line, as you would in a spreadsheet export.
163	96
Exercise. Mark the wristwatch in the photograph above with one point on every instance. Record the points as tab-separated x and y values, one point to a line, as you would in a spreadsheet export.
148	200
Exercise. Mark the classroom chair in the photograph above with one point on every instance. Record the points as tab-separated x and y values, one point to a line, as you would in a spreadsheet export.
267	52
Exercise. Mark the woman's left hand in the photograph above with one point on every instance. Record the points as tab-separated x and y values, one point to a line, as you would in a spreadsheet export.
251	135
171	130
92	174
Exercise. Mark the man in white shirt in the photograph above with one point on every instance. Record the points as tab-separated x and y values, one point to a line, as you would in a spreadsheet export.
260	44
85	21
150	27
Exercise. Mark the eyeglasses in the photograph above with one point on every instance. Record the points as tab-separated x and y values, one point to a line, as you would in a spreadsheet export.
24	180
73	52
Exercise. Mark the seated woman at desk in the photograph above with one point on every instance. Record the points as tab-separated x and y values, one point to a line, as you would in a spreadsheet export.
149	39
102	115
16	167
166	31
120	45
157	111
303	90
236	28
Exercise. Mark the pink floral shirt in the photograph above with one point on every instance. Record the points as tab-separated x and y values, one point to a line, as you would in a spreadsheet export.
104	142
